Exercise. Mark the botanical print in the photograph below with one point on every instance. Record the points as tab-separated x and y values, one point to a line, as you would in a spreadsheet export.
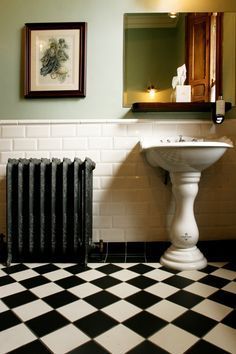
54	59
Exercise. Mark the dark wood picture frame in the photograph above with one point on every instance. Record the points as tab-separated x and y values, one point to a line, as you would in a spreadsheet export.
55	59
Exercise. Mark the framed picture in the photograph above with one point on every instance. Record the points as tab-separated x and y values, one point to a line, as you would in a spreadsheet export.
55	59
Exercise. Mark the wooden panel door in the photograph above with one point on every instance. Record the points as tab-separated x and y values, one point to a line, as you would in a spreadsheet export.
198	55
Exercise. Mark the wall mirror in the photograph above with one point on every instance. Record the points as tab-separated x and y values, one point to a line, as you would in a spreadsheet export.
155	44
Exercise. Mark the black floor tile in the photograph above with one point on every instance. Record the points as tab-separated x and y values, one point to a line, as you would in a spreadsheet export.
141	268
195	323
70	282
109	268
224	297
95	324
46	323
18	299
170	270
60	299
230	266
15	268
178	281
185	299
145	324
203	347
8	319
101	299
209	269
141	282
212	280
34	281
105	282
147	347
35	347
76	269
143	299
90	347
46	268
6	280
230	319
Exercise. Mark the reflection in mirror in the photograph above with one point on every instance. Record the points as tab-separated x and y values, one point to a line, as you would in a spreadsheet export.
157	44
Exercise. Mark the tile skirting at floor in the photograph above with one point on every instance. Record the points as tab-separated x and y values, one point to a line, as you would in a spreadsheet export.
215	250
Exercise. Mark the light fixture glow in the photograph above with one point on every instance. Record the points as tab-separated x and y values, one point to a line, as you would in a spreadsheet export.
173	14
151	90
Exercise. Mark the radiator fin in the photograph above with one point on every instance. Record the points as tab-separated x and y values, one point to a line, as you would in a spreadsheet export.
49	210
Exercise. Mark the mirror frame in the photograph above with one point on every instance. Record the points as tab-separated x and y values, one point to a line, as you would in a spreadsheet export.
219	55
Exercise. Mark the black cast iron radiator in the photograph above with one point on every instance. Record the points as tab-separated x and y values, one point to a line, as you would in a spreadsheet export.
49	210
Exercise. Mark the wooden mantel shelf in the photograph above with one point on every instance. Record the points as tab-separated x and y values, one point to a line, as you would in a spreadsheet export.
177	106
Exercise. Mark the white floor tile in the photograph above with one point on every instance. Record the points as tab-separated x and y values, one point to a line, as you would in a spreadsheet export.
96	265
91	274
64	265
222	336
3	307
32	309
158	274
212	309
225	273
119	339
124	275
33	265
46	289
24	274
123	290
11	289
121	310
167	310
231	287
201	289
217	264
65	339
57	274
2	273
84	290
155	265
162	290
125	265
192	274
76	310
173	339
15	337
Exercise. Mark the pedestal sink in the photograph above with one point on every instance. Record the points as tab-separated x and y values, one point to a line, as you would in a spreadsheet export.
184	158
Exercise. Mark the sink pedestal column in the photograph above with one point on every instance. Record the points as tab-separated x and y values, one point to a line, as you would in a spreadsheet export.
183	253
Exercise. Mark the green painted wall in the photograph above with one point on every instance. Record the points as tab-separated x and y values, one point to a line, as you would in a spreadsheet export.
104	53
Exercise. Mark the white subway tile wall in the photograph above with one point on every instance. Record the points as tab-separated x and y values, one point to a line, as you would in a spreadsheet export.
131	201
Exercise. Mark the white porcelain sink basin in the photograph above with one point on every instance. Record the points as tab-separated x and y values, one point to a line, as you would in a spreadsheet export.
179	154
184	158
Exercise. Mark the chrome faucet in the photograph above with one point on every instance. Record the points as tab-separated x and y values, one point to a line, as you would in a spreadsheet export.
181	138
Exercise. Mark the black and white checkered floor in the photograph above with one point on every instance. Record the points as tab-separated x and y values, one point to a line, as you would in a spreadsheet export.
117	308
